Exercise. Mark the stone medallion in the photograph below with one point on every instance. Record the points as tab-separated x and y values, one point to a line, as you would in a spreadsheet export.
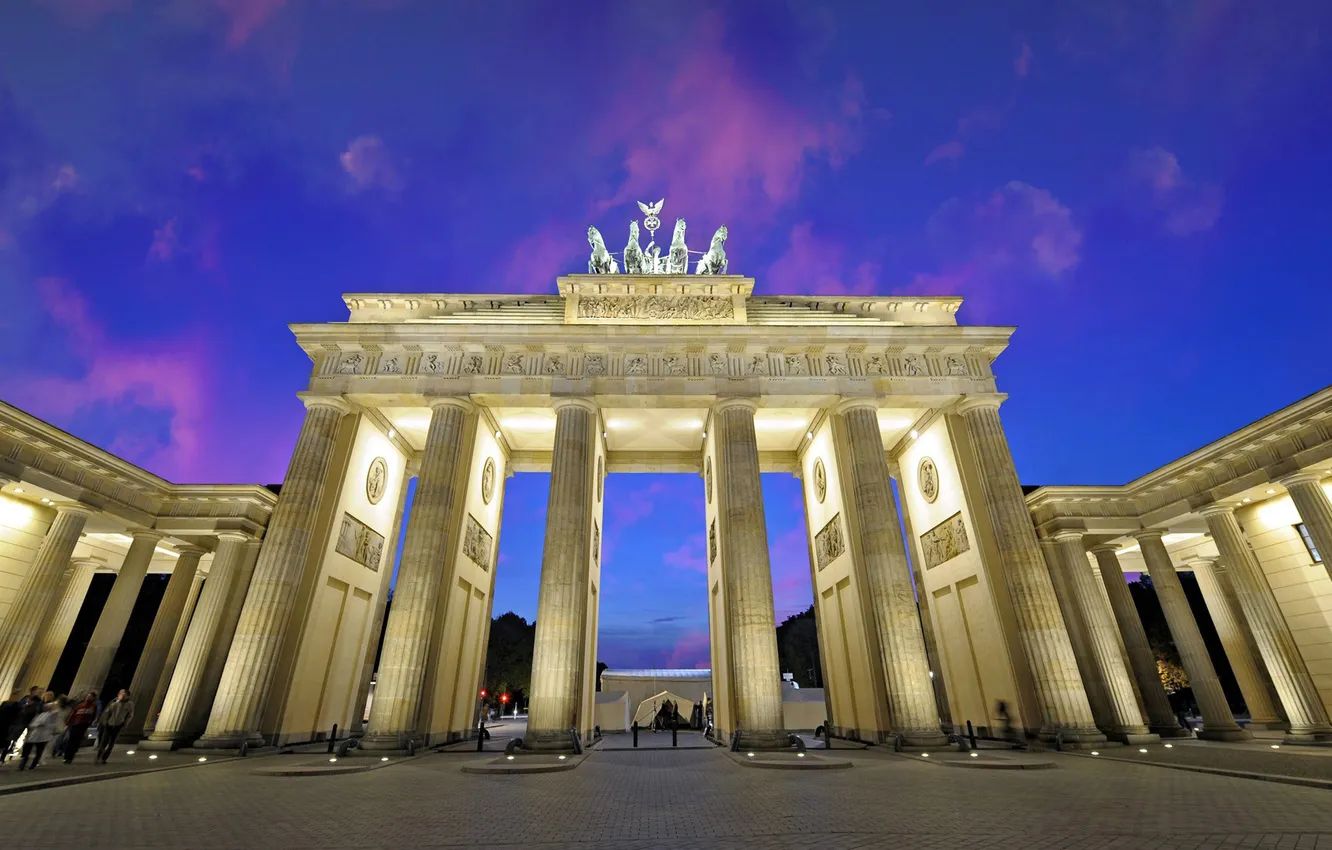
820	480
376	478
707	479
927	479
488	481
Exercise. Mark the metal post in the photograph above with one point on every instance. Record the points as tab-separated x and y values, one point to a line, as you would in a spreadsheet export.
971	734
480	736
673	734
635	734
333	738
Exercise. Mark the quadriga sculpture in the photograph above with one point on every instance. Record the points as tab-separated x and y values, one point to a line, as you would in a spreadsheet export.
633	253
714	261
601	262
677	261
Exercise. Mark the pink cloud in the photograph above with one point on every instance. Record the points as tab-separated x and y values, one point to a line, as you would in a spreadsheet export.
791	589
66	178
1022	64
691	650
819	264
538	258
165	242
369	165
636	505
950	150
1182	206
719	134
246	17
689	556
170	378
1019	229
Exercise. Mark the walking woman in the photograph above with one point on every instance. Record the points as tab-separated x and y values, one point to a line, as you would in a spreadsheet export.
41	730
76	727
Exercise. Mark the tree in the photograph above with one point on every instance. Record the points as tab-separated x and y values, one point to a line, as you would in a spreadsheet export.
509	657
798	648
1174	678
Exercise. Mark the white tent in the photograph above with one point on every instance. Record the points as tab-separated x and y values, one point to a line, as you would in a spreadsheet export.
648	708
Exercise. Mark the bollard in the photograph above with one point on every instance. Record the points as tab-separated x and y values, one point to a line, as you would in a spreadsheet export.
411	747
635	734
245	748
672	734
971	734
333	738
481	736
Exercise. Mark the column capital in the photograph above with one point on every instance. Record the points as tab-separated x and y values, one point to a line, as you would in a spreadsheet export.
75	509
560	402
463	403
313	400
1302	477
1148	534
146	534
233	536
1105	548
189	550
980	401
846	405
92	562
724	404
1194	562
1216	509
1068	535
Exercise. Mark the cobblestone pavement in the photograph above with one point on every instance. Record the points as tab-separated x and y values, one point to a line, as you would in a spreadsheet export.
681	800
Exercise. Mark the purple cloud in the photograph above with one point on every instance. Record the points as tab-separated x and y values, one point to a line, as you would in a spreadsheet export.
1182	206
369	165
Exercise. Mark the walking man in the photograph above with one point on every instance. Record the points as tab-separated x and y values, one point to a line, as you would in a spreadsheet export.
113	719
76	727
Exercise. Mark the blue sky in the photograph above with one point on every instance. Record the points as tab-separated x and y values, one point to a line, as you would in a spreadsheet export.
1142	189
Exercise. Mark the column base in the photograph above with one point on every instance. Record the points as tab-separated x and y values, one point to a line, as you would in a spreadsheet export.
921	739
548	741
386	741
1309	738
228	742
1074	739
1268	726
1175	731
1235	734
765	739
161	744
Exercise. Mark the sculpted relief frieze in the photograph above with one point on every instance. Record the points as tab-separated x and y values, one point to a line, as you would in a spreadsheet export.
360	542
829	543
774	363
944	542
693	308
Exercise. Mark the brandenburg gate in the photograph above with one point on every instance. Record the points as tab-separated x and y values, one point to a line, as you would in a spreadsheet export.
885	408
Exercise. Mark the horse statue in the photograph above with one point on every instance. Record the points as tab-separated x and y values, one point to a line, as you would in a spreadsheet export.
677	261
633	253
601	262
714	261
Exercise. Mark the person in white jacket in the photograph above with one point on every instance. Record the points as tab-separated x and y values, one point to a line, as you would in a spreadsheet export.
41	730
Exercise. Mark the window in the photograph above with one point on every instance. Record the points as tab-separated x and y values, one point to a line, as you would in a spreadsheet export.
1308	543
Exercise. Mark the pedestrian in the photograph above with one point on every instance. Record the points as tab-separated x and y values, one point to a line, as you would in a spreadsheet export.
28	707
9	710
76	727
41	730
114	717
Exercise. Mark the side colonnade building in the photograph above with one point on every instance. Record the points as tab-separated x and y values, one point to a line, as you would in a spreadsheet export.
1250	516
935	596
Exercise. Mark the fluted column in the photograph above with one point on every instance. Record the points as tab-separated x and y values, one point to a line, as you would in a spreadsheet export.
1160	717
97	658
1218	721
756	670
1290	676
1103	641
147	719
188	695
913	711
153	659
425	560
1231	628
39	594
1092	680
1306	491
557	656
253	658
1054	668
47	651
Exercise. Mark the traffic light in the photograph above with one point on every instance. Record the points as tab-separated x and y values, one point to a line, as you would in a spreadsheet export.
483	693
504	698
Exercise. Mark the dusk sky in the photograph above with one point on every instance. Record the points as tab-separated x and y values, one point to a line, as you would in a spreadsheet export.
1141	188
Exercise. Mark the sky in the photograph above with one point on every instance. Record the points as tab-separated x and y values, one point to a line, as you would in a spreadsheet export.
1142	189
